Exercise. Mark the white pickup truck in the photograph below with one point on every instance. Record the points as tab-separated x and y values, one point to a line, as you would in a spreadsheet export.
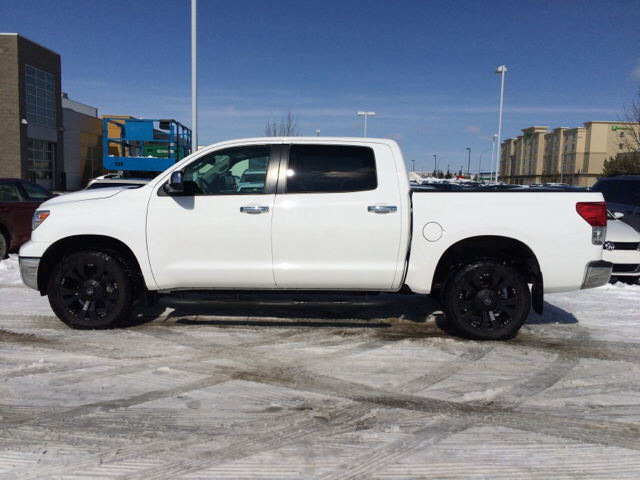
330	216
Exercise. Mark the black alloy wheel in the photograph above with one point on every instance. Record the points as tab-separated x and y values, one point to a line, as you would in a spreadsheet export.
91	290
487	300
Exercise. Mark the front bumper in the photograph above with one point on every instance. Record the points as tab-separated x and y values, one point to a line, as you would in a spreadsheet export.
597	274
29	271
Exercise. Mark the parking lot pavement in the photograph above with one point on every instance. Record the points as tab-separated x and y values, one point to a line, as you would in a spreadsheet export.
321	394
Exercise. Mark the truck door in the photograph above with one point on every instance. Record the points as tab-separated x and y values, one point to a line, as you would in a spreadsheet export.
217	234
337	219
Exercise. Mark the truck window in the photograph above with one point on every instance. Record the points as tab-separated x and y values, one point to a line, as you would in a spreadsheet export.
234	171
330	168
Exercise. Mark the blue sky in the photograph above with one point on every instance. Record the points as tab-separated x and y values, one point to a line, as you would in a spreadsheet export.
425	68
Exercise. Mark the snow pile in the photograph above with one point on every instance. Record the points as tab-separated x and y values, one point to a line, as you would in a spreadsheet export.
10	271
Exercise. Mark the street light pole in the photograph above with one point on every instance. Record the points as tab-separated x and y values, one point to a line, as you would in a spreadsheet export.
365	115
317	133
435	166
480	164
493	144
500	71
469	164
414	165
194	75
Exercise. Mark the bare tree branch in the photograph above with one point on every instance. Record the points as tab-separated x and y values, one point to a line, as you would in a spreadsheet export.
631	119
628	160
288	126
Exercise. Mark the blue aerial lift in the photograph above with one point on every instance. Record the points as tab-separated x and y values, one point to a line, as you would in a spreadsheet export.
143	145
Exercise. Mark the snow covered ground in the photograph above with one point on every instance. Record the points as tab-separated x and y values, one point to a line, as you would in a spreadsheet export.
333	393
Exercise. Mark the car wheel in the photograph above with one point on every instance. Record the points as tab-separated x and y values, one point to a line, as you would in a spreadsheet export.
4	245
487	300
91	290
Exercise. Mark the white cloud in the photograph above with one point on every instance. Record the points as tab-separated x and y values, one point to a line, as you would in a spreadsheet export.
397	137
472	129
635	73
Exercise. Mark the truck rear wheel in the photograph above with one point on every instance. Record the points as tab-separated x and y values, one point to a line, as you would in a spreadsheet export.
487	300
91	290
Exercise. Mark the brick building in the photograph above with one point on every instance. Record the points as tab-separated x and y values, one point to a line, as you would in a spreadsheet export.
30	112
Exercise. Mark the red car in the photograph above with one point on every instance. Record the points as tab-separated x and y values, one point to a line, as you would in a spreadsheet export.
19	199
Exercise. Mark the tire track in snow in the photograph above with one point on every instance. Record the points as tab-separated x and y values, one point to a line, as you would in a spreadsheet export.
70	414
448	370
365	466
178	466
600	432
539	382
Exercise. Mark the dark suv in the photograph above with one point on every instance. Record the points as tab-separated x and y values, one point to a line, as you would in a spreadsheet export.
622	194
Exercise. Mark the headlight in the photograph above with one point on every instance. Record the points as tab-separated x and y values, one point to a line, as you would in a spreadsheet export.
38	217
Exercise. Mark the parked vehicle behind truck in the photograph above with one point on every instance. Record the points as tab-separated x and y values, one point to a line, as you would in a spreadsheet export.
334	215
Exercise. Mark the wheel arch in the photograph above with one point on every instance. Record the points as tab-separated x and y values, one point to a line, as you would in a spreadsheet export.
503	249
100	243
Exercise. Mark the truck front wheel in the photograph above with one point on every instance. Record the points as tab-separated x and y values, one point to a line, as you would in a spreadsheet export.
487	300
91	290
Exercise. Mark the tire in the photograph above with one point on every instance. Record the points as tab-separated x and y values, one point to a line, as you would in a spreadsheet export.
4	245
91	290
487	300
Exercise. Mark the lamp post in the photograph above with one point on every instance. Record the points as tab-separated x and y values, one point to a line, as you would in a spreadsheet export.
414	165
365	115
317	133
194	75
562	166
493	144
435	164
469	164
501	70
480	164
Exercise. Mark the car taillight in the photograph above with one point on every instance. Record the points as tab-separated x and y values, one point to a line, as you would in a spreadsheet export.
595	213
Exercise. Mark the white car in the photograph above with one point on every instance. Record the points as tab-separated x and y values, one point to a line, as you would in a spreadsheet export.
252	181
622	248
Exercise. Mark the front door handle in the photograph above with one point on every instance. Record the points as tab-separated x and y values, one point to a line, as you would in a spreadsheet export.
254	210
382	209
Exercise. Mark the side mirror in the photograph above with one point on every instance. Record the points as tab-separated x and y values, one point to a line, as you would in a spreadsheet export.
618	215
176	183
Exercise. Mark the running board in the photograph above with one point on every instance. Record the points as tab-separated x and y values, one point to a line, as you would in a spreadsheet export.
170	301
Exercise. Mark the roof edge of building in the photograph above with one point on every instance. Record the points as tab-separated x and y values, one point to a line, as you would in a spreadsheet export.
29	40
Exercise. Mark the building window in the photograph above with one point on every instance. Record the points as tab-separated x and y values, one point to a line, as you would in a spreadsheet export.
41	97
621	134
621	146
41	157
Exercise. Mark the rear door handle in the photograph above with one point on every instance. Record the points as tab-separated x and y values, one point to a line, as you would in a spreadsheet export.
382	209
254	210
